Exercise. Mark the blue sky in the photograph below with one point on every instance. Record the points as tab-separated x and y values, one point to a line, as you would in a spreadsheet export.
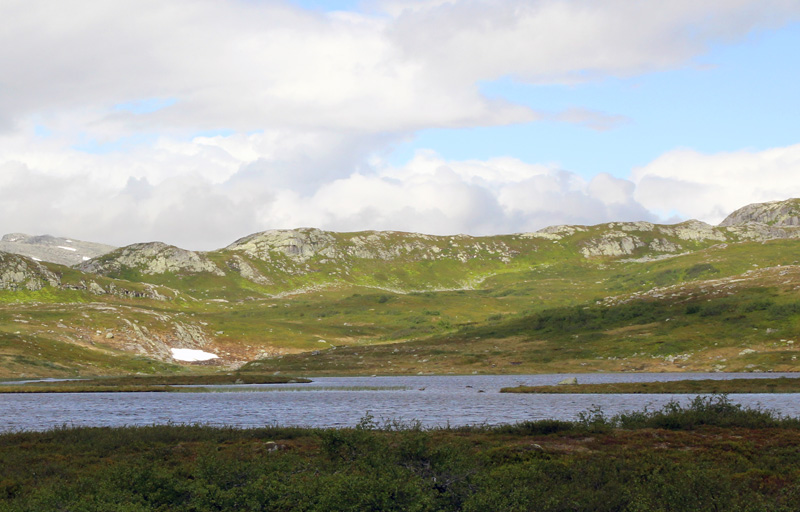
196	123
736	96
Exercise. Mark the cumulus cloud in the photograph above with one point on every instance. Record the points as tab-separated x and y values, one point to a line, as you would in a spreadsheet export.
224	187
710	186
573	41
199	121
206	210
245	65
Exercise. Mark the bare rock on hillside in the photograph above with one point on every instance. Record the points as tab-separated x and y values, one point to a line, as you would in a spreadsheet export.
297	244
21	273
694	230
614	243
151	259
774	214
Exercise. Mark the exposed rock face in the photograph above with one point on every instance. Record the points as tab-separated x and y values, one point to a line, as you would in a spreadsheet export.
20	273
239	264
64	251
663	245
557	232
301	245
151	259
774	214
694	230
163	334
297	244
615	243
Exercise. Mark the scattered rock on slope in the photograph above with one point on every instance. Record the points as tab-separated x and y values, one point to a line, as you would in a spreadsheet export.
20	273
150	259
775	214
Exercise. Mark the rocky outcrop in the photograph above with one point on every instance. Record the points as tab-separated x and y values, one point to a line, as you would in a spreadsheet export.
247	271
297	244
615	243
20	273
694	230
64	251
151	259
556	232
302	245
272	258
775	214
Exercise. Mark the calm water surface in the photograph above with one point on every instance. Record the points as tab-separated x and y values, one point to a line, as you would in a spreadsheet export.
431	400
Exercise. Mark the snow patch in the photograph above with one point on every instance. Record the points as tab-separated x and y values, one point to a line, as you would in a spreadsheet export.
86	258
190	354
34	258
67	248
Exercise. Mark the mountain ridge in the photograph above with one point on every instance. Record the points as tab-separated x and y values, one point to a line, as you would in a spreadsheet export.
294	299
754	221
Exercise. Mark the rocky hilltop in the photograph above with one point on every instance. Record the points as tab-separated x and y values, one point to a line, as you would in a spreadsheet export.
20	273
64	251
776	214
150	259
618	296
281	260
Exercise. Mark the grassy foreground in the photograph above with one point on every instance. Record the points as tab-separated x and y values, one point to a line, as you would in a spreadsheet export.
709	455
779	385
148	383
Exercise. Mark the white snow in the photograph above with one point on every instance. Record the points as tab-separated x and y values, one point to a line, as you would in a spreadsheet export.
67	248
34	258
190	354
86	258
69	241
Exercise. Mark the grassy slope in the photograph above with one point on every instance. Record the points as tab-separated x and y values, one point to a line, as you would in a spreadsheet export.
526	316
693	325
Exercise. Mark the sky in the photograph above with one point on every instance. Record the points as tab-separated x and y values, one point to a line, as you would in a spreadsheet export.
197	122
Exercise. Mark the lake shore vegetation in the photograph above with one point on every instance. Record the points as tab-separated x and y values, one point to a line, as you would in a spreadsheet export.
707	455
706	386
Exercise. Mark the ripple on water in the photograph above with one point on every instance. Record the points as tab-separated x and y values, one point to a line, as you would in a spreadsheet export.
343	401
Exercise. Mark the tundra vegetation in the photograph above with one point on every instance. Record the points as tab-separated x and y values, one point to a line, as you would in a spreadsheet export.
398	303
708	455
701	386
613	297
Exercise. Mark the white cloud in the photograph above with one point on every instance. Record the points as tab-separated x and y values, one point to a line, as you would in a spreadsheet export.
709	187
213	194
307	103
572	41
246	66
431	195
201	210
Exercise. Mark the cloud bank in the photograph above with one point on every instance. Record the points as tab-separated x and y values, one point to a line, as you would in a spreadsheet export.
199	121
242	193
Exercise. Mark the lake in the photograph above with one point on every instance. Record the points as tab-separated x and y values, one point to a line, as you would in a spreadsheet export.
343	401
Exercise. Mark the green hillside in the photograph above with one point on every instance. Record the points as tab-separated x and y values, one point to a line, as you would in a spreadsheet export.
613	297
